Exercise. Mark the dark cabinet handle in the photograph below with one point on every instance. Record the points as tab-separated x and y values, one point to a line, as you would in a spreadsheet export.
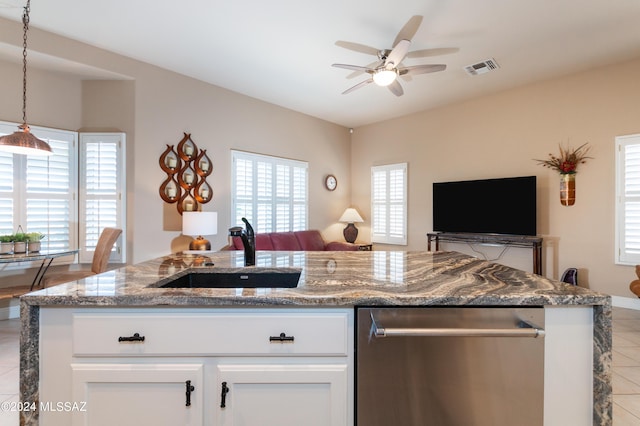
190	389
135	338
223	395
281	338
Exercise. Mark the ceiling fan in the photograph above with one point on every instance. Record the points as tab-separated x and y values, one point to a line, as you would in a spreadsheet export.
388	67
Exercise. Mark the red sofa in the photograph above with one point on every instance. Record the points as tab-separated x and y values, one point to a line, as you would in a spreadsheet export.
293	241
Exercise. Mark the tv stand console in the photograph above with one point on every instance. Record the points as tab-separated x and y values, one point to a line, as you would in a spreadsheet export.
506	240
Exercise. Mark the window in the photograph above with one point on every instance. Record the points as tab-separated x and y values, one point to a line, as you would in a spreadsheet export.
389	204
38	193
271	192
102	192
628	199
41	194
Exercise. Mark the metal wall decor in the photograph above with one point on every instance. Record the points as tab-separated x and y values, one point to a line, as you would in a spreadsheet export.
187	169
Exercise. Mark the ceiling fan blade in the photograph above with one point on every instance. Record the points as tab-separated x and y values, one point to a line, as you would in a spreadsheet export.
357	86
357	47
421	69
396	88
371	66
398	53
409	30
432	52
353	68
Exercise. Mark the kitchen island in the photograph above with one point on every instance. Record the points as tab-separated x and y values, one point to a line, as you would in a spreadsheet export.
334	282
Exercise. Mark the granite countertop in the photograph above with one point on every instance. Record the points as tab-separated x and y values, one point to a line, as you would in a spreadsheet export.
328	278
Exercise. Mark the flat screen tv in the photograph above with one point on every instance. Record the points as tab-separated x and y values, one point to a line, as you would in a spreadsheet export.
488	206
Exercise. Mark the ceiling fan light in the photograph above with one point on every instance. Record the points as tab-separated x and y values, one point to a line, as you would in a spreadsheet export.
384	77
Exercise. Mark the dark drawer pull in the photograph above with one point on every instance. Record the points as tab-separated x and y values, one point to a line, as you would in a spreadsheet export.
135	338
189	388
281	338
223	395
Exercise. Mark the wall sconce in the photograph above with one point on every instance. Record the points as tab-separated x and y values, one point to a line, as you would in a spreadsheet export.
350	216
199	223
187	169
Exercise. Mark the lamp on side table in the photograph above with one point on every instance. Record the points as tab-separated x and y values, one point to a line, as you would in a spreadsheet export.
350	216
199	224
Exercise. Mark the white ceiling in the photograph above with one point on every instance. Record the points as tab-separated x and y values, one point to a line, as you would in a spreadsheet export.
281	51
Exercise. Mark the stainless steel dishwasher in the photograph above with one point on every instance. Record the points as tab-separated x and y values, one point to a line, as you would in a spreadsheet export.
449	366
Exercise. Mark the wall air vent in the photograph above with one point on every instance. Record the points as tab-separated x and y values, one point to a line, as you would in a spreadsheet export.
482	67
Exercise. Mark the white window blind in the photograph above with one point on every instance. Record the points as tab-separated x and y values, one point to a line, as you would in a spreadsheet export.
389	204
102	192
271	192
37	193
7	198
628	199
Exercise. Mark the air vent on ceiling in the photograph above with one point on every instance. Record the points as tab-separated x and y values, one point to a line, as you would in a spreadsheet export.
482	67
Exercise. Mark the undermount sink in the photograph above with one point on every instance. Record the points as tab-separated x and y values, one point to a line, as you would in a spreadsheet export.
254	278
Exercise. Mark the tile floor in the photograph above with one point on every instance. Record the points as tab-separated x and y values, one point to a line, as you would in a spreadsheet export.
9	368
626	367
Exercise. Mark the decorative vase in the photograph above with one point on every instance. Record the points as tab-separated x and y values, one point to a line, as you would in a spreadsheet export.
567	189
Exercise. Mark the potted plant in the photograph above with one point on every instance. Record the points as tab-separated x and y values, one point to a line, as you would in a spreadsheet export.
33	240
20	242
6	244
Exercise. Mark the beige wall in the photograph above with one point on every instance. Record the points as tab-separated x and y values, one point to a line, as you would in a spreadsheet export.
494	136
154	107
109	106
218	121
53	99
499	136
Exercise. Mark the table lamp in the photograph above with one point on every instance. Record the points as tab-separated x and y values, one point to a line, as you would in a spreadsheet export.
350	216
199	223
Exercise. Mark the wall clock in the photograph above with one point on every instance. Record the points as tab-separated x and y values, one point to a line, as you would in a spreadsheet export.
331	182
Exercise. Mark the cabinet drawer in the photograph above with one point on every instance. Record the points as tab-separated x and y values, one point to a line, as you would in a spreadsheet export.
210	333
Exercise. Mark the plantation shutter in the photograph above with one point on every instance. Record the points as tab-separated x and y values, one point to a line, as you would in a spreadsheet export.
37	193
6	193
389	204
50	192
271	192
628	200
299	197
102	192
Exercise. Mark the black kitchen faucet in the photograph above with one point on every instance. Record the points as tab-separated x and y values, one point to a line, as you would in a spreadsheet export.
248	241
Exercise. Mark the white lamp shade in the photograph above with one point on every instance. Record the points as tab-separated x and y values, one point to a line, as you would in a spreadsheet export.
199	223
351	215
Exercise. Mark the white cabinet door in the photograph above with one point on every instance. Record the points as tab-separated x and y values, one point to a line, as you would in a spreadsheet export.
283	395
137	394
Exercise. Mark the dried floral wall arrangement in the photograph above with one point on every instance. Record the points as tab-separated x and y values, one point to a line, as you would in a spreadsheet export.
567	165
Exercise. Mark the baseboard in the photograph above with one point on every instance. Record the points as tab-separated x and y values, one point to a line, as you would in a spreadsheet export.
626	302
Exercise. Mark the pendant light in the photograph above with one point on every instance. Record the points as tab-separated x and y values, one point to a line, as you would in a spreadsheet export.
23	141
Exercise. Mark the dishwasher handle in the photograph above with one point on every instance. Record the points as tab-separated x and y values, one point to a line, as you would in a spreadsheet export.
525	330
